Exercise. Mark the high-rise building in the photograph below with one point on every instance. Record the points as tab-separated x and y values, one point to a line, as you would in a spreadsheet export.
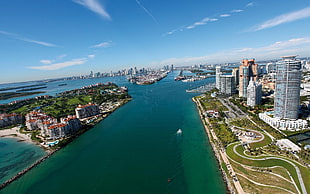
271	67
254	93
227	84
247	70
287	92
235	73
218	74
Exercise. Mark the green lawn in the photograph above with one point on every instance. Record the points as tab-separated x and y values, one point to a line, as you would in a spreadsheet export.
245	123
265	163
225	168
267	140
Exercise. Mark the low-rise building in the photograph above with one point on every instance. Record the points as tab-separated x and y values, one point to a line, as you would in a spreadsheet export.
212	113
287	145
283	124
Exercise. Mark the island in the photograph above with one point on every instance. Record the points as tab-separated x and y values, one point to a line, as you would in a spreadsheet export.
147	77
54	121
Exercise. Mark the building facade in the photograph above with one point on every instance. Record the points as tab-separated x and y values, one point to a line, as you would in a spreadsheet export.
88	110
227	84
287	91
10	119
49	126
247	70
284	124
235	74
218	74
254	93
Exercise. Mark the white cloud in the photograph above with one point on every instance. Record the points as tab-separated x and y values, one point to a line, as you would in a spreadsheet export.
57	66
47	62
297	46
95	7
236	11
91	56
6	33
38	42
204	21
102	45
201	22
224	15
250	4
61	56
147	11
19	37
285	18
209	19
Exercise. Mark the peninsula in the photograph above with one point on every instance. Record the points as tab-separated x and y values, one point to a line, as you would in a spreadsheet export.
246	149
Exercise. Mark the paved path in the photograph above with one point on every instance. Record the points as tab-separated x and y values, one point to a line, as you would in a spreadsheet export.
301	182
211	133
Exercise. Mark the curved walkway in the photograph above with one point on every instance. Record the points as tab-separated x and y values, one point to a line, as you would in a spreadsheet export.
301	182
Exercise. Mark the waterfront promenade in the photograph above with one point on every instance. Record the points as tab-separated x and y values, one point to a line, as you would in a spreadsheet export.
219	151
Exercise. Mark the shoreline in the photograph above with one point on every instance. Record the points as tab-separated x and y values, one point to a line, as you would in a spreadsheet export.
214	149
16	134
7	133
22	137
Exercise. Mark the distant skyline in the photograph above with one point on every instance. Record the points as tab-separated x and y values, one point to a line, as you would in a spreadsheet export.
59	38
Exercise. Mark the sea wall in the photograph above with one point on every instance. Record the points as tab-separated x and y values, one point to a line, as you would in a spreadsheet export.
215	150
21	173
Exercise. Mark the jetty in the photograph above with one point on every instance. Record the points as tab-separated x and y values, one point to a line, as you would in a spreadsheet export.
21	173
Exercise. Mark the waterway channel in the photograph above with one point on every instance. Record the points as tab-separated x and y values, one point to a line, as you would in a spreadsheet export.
135	150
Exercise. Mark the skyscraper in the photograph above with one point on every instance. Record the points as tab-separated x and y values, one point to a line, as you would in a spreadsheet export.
218	73
227	84
254	93
235	73
287	92
247	70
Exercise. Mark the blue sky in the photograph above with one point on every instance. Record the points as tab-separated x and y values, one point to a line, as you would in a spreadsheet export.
55	38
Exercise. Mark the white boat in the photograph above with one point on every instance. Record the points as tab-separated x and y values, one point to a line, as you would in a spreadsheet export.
179	131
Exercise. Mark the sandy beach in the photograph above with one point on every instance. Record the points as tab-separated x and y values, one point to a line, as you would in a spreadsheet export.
14	133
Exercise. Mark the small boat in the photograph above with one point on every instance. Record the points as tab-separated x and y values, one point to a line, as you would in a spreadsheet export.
179	131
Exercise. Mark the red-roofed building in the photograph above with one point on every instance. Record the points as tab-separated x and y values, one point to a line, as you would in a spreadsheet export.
88	110
10	119
49	126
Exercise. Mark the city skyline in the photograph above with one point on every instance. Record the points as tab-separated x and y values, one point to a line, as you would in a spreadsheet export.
51	39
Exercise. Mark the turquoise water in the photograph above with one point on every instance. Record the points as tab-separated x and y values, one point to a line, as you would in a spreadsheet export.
134	150
16	156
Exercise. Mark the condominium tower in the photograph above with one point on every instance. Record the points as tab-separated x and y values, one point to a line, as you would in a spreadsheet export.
287	92
227	84
254	93
218	74
247	70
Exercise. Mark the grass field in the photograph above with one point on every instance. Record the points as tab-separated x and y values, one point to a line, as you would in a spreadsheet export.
265	163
